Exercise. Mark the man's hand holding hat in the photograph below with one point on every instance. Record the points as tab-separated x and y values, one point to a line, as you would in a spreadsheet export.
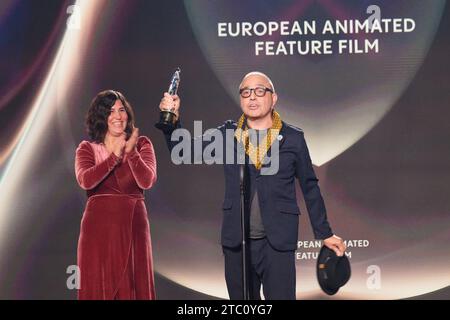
336	244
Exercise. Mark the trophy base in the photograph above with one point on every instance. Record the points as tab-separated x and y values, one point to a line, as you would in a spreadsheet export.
167	120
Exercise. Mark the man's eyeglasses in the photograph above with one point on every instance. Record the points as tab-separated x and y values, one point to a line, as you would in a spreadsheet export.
259	91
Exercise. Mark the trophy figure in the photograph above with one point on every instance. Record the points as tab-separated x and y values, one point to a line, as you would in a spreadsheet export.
167	118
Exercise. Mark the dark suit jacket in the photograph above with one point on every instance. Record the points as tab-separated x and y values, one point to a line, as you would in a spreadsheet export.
276	193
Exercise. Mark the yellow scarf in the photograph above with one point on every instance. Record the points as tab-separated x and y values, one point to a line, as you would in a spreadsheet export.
257	154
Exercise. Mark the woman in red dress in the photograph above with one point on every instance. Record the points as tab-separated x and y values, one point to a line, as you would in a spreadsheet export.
114	247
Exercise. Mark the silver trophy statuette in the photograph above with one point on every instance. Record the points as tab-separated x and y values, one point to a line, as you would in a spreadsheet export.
167	118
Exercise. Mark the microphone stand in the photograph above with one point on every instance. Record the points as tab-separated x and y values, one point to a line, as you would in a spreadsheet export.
245	288
246	292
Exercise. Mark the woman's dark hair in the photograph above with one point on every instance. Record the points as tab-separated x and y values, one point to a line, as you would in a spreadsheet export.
99	111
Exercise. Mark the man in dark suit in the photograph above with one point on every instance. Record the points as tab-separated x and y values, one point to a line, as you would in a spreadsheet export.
270	199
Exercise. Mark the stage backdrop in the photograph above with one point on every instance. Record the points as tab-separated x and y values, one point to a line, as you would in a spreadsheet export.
367	81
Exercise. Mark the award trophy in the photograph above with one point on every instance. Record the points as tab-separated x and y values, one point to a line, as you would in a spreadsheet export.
167	118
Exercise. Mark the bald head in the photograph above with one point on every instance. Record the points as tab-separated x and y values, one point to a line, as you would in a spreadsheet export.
260	75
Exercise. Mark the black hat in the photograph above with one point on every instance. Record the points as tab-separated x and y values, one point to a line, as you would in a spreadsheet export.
332	271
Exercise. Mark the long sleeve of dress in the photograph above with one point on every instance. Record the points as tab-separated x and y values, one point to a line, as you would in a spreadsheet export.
142	162
89	174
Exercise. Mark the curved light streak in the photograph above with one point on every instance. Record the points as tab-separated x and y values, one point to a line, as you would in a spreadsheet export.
53	91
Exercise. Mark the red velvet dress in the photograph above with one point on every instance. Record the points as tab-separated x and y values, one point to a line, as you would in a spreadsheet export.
114	247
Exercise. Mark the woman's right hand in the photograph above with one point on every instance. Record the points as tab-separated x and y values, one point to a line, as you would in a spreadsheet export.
118	145
170	103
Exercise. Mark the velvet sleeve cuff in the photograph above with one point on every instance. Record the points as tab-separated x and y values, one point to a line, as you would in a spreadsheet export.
88	173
